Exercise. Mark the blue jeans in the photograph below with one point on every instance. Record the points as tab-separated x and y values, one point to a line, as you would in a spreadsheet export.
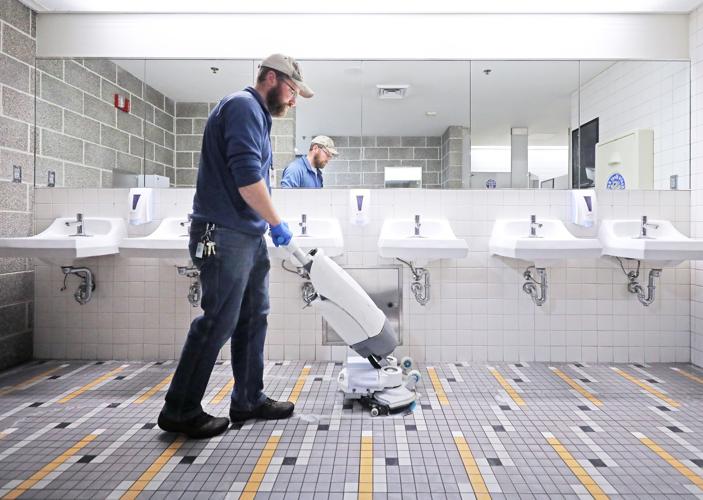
235	305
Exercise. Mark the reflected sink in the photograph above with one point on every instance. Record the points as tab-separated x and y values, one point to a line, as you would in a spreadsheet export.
322	232
55	244
168	241
436	241
665	244
554	243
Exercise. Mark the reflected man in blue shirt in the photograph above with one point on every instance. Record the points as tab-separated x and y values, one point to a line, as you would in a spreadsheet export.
306	171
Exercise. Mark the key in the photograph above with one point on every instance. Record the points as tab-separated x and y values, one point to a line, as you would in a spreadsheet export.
211	244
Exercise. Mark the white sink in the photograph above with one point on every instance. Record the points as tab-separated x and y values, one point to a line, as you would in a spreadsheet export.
56	245
554	243
665	244
436	241
323	232
168	241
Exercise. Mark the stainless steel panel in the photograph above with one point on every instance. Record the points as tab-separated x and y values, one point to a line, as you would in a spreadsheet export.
385	287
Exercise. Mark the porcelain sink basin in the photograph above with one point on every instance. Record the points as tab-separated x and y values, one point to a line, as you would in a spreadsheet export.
322	232
553	243
436	241
57	245
664	244
168	241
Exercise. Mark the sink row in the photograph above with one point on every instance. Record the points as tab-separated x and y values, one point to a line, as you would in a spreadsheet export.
548	241
68	239
542	242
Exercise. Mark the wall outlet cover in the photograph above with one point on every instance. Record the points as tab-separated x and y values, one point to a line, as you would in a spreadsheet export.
16	173
51	179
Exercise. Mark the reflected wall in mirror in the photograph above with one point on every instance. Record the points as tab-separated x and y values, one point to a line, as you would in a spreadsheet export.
432	124
635	121
395	123
520	119
195	87
90	121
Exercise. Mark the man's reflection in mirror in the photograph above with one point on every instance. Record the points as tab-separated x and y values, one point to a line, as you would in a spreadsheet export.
306	170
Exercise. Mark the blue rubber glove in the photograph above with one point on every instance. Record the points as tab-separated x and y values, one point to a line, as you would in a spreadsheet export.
280	234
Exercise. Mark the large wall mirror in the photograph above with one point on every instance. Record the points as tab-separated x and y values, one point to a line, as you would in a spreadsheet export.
433	124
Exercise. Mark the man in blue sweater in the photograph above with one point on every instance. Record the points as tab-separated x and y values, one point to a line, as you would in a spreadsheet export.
306	171
232	210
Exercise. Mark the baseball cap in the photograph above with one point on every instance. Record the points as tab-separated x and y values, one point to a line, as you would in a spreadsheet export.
325	142
289	67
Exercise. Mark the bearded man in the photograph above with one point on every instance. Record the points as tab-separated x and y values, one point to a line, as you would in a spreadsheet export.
306	171
232	209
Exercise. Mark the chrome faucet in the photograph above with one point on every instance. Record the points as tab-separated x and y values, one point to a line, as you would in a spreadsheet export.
533	226
645	225
79	225
303	225
186	224
417	225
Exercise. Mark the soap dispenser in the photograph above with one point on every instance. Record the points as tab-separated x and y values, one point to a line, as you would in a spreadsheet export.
141	206
359	203
583	207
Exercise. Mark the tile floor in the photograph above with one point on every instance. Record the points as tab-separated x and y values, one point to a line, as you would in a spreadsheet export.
87	430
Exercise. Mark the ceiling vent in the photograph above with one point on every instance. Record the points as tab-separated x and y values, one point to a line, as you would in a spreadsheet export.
391	91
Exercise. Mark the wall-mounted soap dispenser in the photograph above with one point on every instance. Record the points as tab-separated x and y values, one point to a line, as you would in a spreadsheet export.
583	207
359	203
141	206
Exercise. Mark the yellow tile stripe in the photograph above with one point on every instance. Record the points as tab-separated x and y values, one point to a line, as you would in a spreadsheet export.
10	388
690	475
257	475
472	470
226	389
647	388
148	475
593	488
48	468
295	393
366	467
577	387
92	384
508	388
688	375
437	384
153	390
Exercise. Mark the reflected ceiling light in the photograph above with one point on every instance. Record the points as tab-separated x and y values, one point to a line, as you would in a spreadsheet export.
391	91
430	113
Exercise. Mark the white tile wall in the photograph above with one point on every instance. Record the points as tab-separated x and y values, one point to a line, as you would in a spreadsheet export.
632	95
477	312
696	54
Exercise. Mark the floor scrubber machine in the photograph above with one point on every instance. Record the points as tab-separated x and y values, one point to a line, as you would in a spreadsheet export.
374	376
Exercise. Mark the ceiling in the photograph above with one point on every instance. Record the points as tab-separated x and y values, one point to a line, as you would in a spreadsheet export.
367	6
533	94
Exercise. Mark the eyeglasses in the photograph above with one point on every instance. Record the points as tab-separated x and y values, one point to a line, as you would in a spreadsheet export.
294	93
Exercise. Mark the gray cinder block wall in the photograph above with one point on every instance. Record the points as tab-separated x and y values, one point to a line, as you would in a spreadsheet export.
18	27
454	151
83	137
190	124
363	159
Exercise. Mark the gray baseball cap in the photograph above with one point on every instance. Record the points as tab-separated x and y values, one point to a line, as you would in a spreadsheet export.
289	67
325	142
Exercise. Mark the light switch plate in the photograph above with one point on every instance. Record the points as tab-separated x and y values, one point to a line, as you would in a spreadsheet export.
673	182
51	179
16	173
